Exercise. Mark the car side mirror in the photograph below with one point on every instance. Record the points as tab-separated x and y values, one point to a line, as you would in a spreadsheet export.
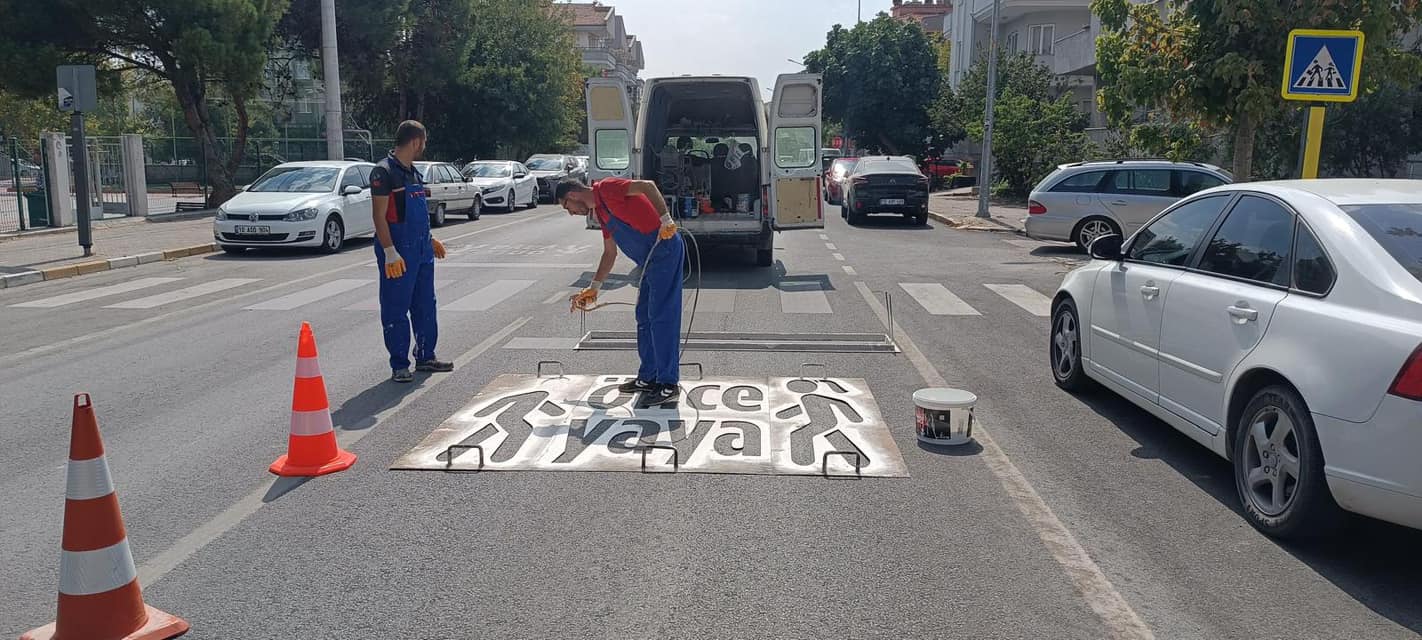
520	176
350	190
1106	247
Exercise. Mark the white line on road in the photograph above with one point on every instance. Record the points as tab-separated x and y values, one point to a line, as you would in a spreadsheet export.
824	237
1025	297
485	299
560	296
308	296
1083	572
160	565
372	303
831	246
194	291
803	297
540	344
97	292
937	299
839	257
513	265
849	270
89	337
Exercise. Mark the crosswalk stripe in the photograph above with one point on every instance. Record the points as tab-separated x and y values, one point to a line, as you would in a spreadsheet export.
803	297
372	303
560	296
97	292
1025	297
308	296
485	299
937	299
839	257
515	265
158	300
849	270
831	246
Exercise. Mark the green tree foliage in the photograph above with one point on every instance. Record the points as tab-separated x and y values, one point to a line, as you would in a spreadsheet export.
482	75
1221	61
880	78
1035	128
194	45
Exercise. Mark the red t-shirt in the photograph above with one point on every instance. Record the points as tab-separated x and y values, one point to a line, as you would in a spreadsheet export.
634	209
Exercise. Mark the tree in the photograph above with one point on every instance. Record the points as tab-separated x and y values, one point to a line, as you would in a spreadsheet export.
195	45
879	79
1221	62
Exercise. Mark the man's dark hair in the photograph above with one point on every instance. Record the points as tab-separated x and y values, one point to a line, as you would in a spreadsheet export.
567	186
409	131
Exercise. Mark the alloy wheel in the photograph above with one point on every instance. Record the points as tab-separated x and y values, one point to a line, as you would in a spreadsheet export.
1092	230
1064	340
1271	461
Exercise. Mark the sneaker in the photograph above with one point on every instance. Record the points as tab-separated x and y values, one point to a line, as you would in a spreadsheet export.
636	386
402	375
437	366
663	393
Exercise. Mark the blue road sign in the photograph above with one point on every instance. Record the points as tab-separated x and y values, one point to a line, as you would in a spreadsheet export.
1323	65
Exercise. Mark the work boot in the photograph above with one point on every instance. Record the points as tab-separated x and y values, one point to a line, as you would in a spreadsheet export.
402	375
436	366
661	394
636	386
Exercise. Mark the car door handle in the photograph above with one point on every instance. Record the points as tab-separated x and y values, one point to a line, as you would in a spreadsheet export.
1119	203
1150	292
1243	314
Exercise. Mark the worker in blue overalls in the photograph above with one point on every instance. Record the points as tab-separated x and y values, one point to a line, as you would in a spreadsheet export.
405	253
635	219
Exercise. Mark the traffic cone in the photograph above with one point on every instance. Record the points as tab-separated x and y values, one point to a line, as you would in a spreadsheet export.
99	597
311	449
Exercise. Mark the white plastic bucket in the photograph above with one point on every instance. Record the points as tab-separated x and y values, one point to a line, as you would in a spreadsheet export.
944	416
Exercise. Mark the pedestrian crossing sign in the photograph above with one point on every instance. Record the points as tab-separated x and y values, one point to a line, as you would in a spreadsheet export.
1323	65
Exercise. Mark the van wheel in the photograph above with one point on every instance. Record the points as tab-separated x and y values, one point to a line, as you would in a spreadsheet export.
1278	468
764	257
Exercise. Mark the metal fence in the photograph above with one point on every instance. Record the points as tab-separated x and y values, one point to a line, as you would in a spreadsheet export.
180	160
20	176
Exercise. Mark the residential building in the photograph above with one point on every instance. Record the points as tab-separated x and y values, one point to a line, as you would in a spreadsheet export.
931	14
601	36
1059	34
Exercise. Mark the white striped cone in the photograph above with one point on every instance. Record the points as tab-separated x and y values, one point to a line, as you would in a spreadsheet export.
311	448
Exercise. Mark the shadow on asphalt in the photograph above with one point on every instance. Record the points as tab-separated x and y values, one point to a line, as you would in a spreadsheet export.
358	413
887	221
970	449
1052	251
1374	562
283	486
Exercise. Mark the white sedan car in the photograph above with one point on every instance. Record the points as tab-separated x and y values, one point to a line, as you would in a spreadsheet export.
503	184
299	204
1278	324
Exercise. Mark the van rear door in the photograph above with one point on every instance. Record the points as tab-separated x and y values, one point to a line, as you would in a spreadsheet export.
609	129
794	171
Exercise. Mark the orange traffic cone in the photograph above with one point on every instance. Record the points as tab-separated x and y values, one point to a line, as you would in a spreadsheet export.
99	597
311	448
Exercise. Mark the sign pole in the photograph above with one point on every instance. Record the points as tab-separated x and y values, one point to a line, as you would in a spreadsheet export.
78	94
81	183
1313	142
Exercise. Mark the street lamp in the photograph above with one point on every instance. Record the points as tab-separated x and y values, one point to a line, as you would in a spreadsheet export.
985	167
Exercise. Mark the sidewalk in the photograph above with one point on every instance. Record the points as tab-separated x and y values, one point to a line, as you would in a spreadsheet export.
47	254
960	212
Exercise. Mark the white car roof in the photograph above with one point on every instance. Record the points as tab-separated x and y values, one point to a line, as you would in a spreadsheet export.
334	164
1345	191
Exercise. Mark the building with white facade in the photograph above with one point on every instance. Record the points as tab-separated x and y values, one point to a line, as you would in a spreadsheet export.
601	36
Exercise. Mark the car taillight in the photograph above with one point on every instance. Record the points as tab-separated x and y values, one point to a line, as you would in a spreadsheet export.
1409	379
1035	208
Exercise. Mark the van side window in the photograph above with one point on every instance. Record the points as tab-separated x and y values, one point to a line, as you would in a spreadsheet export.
795	147
1190	182
614	149
1312	270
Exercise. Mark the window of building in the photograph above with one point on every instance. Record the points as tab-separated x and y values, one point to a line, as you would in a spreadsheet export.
1011	42
303	106
301	69
1040	38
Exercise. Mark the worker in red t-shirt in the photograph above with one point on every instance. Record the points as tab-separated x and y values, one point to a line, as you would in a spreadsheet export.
635	219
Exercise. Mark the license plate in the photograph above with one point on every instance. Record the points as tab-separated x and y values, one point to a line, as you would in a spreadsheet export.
892	202
253	230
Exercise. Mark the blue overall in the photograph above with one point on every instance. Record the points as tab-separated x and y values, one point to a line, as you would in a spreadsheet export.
658	300
409	299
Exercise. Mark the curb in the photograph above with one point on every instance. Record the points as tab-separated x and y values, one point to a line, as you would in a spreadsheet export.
95	266
996	228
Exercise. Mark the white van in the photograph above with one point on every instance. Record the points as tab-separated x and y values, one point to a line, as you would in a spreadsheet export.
747	168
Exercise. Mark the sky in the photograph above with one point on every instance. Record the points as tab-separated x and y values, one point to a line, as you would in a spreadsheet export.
756	38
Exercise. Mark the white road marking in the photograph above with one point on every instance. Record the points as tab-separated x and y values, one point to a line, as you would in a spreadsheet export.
513	265
715	300
160	565
540	344
194	291
1025	297
849	270
104	333
824	237
839	257
803	297
1095	588
96	292
937	299
561	296
314	294
372	303
831	246
485	299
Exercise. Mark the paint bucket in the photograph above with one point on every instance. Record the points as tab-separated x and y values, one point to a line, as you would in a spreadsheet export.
944	416
688	207
743	203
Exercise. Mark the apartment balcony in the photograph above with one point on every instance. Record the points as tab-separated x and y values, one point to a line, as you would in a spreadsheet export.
1073	54
1012	9
599	57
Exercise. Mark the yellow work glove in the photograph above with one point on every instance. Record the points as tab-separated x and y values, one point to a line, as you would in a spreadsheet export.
438	248
668	228
394	264
586	298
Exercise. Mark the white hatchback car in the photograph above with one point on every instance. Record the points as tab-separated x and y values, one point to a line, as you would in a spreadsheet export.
1278	324
299	204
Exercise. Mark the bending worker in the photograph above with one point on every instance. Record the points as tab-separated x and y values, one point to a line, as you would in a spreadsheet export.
634	219
405	253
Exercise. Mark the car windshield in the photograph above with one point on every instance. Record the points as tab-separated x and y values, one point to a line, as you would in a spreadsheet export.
488	171
893	165
842	167
544	164
1397	227
297	180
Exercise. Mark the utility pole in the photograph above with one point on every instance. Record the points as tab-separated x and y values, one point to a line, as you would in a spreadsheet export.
859	11
331	72
985	167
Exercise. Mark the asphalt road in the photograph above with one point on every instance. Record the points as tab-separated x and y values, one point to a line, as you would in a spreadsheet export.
1074	517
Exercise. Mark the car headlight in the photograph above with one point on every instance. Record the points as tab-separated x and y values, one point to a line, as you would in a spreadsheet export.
301	214
221	213
491	189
